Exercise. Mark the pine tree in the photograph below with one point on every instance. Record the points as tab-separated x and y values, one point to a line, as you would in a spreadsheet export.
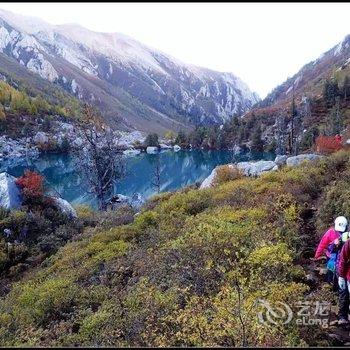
335	120
151	140
295	128
281	134
257	142
330	92
181	138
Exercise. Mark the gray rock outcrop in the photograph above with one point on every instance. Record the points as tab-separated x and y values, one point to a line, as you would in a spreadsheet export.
10	196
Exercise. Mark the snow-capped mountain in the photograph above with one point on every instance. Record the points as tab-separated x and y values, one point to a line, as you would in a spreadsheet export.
134	85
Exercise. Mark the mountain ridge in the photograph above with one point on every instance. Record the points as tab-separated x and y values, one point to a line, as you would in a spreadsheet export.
137	85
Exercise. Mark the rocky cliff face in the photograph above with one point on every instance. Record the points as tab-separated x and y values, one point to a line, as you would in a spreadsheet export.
136	86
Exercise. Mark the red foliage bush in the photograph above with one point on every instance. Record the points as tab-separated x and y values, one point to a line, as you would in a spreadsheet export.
328	144
32	185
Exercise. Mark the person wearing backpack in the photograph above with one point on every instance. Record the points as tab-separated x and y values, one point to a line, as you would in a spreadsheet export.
330	246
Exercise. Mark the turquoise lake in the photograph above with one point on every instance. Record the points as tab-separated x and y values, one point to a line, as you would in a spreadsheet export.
178	169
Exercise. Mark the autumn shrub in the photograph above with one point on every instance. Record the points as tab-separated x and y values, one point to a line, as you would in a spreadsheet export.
225	173
327	144
32	186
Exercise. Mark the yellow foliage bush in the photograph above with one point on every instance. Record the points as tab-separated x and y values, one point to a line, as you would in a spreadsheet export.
225	173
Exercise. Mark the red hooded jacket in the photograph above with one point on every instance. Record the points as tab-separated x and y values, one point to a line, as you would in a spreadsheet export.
344	261
328	238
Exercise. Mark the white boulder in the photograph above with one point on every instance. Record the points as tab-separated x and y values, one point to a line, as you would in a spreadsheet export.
10	196
257	168
164	146
131	152
64	206
281	160
65	126
177	148
248	168
152	150
296	160
208	182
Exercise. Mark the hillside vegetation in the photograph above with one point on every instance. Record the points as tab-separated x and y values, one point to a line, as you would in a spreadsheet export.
34	90
26	99
189	269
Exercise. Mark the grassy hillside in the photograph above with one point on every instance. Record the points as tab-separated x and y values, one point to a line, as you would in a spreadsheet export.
189	269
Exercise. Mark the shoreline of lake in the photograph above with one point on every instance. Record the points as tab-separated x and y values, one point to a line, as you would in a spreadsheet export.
178	169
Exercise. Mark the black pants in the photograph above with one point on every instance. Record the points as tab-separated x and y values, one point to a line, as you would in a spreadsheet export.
344	302
332	278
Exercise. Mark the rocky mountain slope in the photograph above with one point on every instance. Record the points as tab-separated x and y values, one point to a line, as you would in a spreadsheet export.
309	80
313	102
135	86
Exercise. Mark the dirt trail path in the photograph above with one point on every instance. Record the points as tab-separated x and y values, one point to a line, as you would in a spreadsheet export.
338	335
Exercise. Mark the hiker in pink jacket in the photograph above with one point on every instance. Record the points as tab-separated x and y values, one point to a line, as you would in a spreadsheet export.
329	246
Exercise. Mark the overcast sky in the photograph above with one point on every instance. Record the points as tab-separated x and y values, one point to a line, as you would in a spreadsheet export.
263	44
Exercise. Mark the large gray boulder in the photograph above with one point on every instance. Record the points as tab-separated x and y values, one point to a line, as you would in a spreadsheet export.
151	150
65	207
296	160
10	196
208	182
131	152
257	168
164	146
281	159
248	168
